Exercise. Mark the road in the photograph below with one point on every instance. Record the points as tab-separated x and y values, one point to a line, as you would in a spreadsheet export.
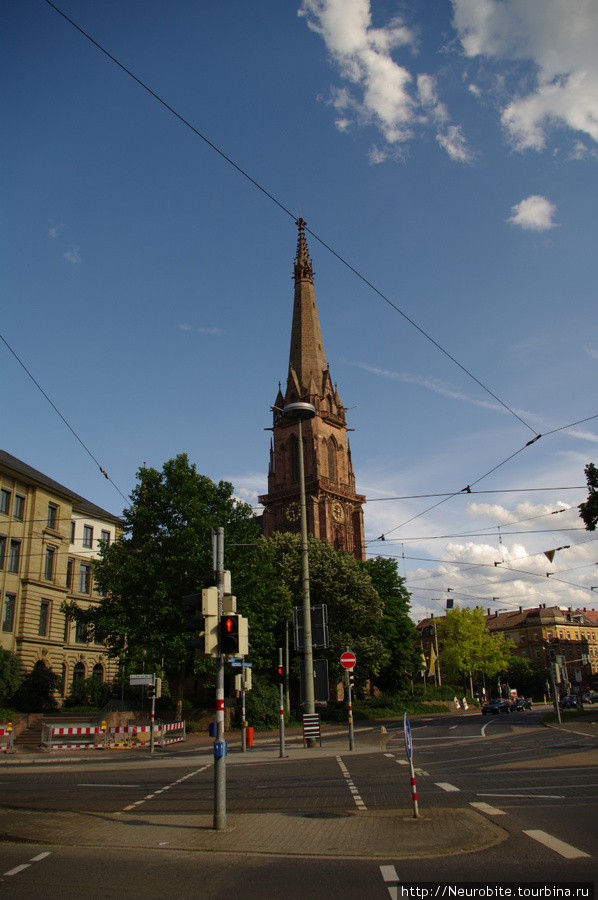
537	786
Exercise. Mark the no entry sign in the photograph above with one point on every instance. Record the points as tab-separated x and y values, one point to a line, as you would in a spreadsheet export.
348	660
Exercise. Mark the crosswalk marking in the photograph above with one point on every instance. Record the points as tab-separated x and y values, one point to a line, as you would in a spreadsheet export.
555	844
486	808
391	879
446	786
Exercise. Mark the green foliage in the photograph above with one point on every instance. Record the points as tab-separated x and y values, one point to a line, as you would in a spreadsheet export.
588	511
467	648
10	676
398	632
36	693
89	692
6	715
165	552
262	707
527	676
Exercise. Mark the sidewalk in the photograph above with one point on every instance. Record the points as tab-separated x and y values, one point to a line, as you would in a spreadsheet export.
344	832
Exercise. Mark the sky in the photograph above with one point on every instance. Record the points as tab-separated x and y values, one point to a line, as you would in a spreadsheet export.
444	155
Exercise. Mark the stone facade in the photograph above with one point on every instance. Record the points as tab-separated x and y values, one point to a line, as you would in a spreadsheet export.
48	535
334	510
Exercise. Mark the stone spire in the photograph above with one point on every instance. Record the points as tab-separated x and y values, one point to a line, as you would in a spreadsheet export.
307	359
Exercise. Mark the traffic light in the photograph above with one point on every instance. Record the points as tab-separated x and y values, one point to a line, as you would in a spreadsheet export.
280	674
203	606
229	635
151	691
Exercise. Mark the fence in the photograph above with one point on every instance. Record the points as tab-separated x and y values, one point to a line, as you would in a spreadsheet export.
100	737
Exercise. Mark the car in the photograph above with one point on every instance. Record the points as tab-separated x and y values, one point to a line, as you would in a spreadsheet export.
591	697
520	703
569	701
496	707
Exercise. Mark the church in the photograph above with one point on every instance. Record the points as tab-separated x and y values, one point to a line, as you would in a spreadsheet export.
334	510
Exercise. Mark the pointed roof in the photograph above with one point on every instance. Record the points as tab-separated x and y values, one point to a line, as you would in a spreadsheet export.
307	358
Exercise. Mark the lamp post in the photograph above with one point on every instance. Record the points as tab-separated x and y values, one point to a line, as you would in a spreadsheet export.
298	412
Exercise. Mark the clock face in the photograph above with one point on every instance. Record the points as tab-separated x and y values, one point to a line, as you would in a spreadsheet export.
293	511
338	513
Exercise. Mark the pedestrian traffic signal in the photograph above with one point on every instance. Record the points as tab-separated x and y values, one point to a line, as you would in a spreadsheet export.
280	674
151	691
203	606
229	635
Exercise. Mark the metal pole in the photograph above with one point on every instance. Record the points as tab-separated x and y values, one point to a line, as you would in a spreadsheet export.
281	689
437	659
310	704
243	722
219	754
351	733
152	719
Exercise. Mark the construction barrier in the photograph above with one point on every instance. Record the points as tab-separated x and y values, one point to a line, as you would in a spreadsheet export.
176	731
6	738
88	737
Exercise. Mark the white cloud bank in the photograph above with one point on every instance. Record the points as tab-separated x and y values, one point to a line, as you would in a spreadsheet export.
534	213
378	90
558	37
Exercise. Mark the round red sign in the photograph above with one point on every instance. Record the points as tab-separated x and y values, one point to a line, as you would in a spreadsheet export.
348	660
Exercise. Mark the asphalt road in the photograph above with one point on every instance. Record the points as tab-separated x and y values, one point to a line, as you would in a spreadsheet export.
539	785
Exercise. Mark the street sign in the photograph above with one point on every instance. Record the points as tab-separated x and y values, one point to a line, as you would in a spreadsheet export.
348	659
141	679
238	663
408	741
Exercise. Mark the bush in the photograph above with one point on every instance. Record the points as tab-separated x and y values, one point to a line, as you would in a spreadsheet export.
262	707
10	677
36	693
7	715
89	692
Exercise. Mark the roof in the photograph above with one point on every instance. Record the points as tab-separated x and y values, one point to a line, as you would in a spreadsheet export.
29	473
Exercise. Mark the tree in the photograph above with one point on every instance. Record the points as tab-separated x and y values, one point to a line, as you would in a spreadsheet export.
10	677
589	510
164	553
398	632
37	690
466	647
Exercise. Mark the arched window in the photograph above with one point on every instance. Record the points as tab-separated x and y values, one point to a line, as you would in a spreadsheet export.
98	671
79	672
332	461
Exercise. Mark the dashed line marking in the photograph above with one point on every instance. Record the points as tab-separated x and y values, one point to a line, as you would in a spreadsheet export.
161	790
23	866
391	879
555	844
356	796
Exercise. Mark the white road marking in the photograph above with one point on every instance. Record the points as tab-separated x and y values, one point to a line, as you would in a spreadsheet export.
553	843
160	790
356	797
526	796
486	808
24	866
446	786
391	879
91	784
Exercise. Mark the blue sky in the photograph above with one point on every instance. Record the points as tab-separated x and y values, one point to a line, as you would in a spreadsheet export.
447	151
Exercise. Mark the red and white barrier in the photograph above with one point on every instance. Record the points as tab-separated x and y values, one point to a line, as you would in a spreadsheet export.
6	738
99	737
53	737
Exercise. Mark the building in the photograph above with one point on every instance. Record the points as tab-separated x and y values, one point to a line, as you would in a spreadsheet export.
334	510
543	635
48	536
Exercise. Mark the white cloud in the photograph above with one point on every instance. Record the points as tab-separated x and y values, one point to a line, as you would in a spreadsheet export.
72	255
382	93
210	331
185	327
558	38
55	230
534	213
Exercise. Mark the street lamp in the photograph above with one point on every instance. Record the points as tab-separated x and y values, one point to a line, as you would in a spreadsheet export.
298	412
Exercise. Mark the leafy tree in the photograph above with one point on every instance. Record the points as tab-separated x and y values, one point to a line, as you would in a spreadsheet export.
90	691
589	510
466	647
10	676
398	632
37	690
164	553
336	579
527	676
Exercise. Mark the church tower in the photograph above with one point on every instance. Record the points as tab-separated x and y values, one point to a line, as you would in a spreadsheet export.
334	510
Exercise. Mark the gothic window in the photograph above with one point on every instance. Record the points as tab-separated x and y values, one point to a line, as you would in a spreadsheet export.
294	458
332	461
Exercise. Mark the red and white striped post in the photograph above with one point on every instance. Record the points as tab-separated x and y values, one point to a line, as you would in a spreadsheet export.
409	749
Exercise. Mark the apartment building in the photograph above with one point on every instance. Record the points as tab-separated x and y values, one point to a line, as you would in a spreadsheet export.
48	537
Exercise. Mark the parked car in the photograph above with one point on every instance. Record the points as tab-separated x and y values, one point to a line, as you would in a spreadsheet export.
591	697
496	707
520	703
569	701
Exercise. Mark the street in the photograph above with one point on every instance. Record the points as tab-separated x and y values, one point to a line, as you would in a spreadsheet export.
522	801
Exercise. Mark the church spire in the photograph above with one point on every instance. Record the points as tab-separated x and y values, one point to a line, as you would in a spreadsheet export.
307	359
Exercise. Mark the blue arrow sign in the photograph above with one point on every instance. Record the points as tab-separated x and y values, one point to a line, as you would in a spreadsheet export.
408	741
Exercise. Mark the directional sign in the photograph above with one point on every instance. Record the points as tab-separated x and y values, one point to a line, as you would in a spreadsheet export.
348	660
408	741
141	679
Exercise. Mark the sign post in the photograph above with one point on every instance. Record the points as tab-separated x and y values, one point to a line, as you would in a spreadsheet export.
348	660
409	750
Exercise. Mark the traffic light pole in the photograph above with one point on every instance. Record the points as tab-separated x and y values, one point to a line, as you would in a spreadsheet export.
219	745
281	690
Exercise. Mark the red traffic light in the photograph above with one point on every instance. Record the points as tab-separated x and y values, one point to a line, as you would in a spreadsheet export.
229	635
